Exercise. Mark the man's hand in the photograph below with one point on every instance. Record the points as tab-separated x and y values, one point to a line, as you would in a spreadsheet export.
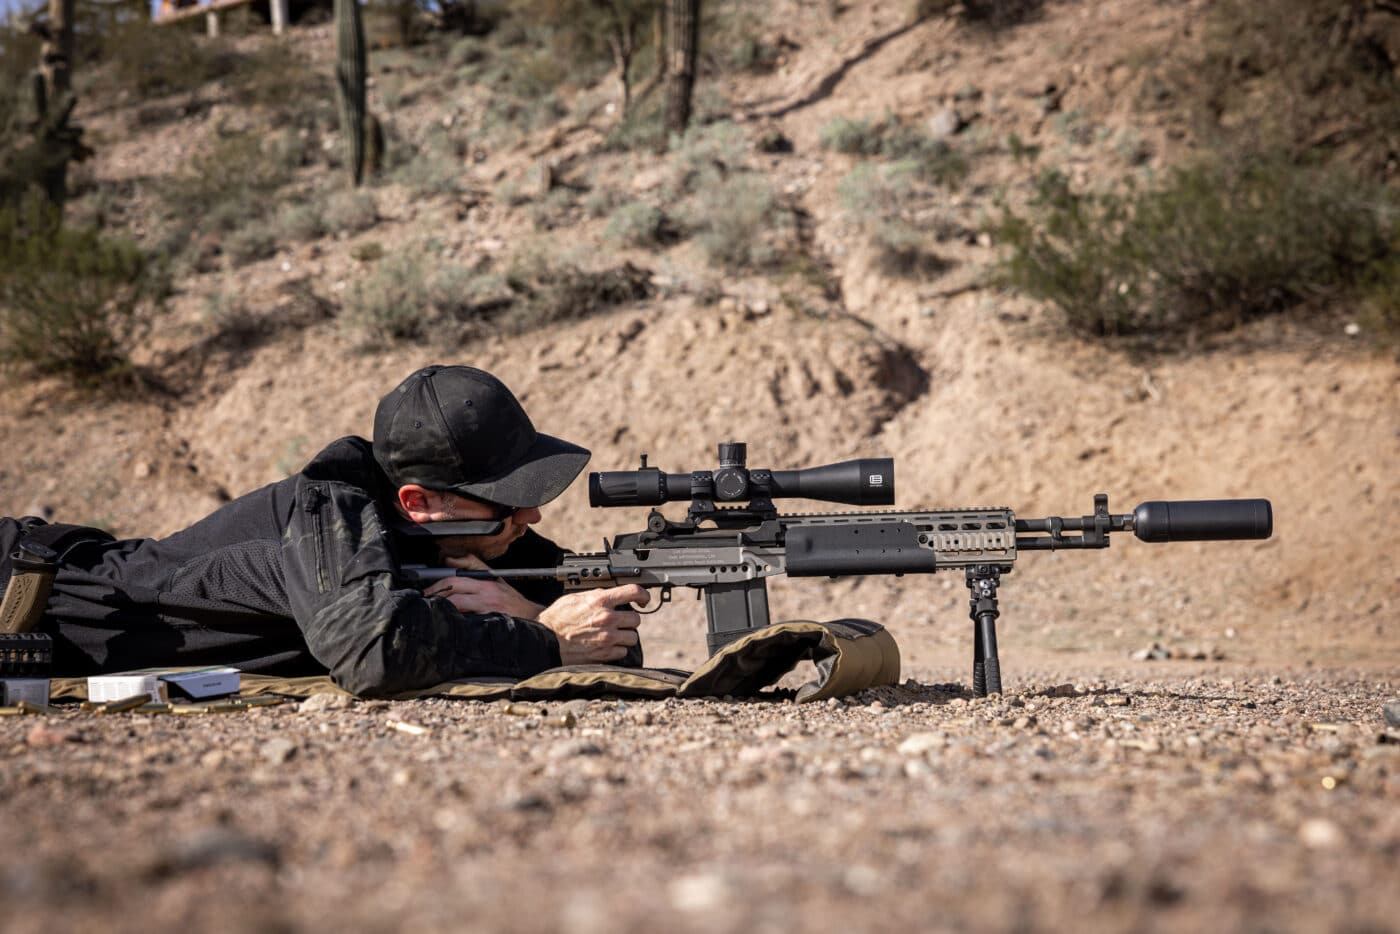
481	596
590	626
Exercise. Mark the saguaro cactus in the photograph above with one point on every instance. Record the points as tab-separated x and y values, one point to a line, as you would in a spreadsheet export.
350	71
682	37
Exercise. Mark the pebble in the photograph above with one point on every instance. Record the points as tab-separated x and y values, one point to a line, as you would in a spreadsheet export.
278	750
572	748
317	703
40	736
922	743
1392	713
212	847
1318	833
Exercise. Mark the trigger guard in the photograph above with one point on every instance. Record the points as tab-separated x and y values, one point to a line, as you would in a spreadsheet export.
665	599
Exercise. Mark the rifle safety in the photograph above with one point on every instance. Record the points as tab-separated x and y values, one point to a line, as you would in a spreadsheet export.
733	539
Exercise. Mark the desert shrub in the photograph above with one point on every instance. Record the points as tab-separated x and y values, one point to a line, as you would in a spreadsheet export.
351	211
1211	246
548	290
982	14
934	159
1299	74
737	222
553	210
412	294
301	221
880	199
433	167
226	187
249	244
150	60
70	298
637	224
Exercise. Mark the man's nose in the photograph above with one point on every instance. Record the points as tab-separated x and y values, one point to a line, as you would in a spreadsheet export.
529	516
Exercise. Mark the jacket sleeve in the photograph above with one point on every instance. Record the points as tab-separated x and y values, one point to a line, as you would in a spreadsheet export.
377	640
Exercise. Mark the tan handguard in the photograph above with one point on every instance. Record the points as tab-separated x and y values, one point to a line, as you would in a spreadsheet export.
33	567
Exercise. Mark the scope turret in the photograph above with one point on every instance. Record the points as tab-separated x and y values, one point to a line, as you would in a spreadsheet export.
868	481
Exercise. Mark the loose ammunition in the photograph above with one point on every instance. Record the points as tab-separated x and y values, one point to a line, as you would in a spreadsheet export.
153	708
259	700
125	704
187	708
10	711
224	707
522	710
30	707
411	729
88	706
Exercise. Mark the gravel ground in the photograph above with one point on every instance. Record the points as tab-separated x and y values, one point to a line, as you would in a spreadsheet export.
1173	796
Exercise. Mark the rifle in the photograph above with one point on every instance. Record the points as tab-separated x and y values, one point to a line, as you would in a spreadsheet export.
728	552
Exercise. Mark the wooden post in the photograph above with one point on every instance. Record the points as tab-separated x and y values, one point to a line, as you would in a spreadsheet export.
279	16
211	24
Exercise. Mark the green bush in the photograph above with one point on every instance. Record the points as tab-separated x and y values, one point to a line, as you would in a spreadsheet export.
1297	74
226	187
934	159
411	294
70	298
350	212
1212	246
737	222
548	290
637	224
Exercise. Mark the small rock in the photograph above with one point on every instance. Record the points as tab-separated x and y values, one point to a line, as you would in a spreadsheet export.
921	743
319	702
41	736
212	847
575	707
642	715
699	894
278	750
570	749
945	124
1319	833
1392	713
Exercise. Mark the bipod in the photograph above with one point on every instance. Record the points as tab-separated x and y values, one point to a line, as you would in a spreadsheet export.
982	581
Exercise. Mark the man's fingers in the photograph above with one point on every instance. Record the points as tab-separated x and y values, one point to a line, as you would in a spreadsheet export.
626	637
467	562
635	594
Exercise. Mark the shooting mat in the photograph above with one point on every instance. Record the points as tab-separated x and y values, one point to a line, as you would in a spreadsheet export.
850	655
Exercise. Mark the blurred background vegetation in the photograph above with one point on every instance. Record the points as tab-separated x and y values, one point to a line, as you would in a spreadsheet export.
1286	204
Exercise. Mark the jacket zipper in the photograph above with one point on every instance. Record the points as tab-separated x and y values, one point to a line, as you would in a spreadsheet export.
313	506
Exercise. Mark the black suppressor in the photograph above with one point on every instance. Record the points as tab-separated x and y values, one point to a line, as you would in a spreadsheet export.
865	482
1212	520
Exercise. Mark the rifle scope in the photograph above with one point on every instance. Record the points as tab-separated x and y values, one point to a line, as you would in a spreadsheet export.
868	481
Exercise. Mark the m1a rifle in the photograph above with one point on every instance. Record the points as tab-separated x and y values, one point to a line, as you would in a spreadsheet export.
727	552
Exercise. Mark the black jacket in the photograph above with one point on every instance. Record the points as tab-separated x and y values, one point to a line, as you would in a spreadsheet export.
298	577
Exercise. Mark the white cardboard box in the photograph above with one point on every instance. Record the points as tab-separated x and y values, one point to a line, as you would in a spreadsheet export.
203	682
120	686
14	690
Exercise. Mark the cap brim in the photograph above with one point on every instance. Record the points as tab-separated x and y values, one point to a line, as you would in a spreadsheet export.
550	465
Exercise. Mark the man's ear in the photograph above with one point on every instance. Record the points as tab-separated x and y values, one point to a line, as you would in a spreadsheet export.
416	502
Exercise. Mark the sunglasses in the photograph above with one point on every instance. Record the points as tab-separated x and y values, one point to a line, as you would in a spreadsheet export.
499	511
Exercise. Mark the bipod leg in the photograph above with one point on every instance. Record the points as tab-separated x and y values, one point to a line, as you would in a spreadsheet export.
982	581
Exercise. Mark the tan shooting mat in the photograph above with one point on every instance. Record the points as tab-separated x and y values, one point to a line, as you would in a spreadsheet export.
850	655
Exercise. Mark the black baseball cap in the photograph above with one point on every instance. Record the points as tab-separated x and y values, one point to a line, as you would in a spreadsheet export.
459	429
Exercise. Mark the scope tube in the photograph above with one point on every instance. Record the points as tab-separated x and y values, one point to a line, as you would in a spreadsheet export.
868	481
